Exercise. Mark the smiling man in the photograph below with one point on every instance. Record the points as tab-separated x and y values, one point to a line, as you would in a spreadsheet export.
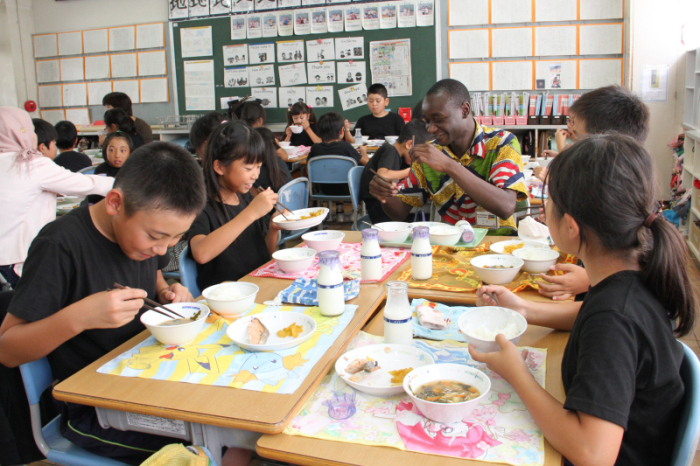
469	171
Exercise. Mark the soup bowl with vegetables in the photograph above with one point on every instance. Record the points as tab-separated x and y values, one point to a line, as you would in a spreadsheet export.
176	331
497	269
446	393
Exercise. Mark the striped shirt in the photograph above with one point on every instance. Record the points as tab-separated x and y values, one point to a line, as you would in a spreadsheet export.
494	156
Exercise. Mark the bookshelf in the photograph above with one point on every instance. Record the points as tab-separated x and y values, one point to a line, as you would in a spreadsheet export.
691	157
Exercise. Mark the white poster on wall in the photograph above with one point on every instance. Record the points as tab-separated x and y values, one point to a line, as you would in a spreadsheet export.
236	54
267	96
390	62
319	25
302	24
285	23
407	15
424	15
291	95
263	75
320	96
199	85
269	24
655	83
236	77
321	72
352	72
263	5
289	51
335	20
350	48
261	53
292	75
196	42
353	96
219	7
370	16
238	29
320	49
387	19
241	6
254	22
353	19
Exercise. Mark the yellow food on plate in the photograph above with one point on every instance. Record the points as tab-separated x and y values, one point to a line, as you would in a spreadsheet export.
312	215
512	247
292	331
399	374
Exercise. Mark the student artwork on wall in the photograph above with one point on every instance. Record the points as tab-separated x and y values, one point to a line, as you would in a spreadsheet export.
302	25
122	38
129	87
152	63
154	90
78	116
319	25
556	74
53	116
267	96
370	16
511	42
263	5
45	45
97	90
352	72
321	72
350	48
601	39
290	95
199	85
467	12
96	41
263	75
320	96
238	27
269	24
74	95
335	20
555	40
556	10
353	19
97	67
320	49
261	53
47	71
289	3
387	19
470	43
50	96
199	8
285	24
236	77
123	65
235	54
292	75
424	13
72	69
353	96
196	42
511	11
313	2
511	75
407	15
290	51
178	9
474	75
242	6
150	36
601	9
70	43
254	26
219	7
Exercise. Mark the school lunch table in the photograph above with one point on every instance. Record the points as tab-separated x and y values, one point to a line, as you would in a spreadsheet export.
222	416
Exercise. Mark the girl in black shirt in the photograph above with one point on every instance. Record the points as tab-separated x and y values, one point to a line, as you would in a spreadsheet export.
115	149
620	370
302	115
116	119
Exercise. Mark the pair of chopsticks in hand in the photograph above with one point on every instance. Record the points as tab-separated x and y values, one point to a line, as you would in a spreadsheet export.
257	191
152	305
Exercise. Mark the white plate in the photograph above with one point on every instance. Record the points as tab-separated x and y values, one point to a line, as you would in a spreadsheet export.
500	246
296	223
274	321
375	142
390	358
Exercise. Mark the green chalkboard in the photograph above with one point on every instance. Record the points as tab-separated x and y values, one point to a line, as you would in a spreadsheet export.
423	64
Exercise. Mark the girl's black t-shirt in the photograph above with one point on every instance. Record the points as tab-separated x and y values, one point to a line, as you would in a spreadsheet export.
303	138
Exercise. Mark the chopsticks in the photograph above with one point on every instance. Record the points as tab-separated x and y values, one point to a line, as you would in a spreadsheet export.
380	176
257	190
152	305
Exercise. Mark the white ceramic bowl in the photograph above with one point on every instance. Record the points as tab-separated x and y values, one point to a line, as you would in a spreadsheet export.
375	142
530	165
93	152
493	318
537	260
391	139
291	150
542	162
445	235
427	224
231	307
300	224
284	143
176	334
294	260
525	159
499	247
390	358
446	413
323	240
296	129
274	321
364	139
483	266
393	232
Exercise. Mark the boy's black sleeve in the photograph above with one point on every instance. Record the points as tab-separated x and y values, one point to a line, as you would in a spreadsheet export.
399	124
389	159
361	125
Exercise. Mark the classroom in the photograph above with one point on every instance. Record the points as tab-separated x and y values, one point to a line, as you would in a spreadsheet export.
337	232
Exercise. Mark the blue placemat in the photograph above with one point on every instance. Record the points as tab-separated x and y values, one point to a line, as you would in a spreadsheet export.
303	291
452	314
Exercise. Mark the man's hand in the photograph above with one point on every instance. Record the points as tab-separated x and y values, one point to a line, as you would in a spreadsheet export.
429	155
381	189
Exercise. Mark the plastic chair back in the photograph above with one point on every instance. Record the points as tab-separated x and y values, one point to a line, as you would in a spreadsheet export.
689	425
87	171
294	195
37	377
354	177
188	273
330	169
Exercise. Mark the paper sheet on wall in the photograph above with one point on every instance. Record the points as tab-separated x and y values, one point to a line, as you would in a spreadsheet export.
655	83
350	48
424	13
97	90
96	40
511	11
267	95
387	18
320	49
600	39
50	96
511	42
320	96
70	43
219	7
236	77
150	36
178	9
238	27
97	67
254	26
353	19
352	72
235	54
302	22
511	76
74	95
473	75
556	10
335	19
154	90
123	65
240	6
601	9
288	96
288	3
469	43
47	71
319	22
312	2
196	42
321	72
593	74
289	51
269	24
390	62
72	69
407	14
152	63
129	87
122	38
199	9
264	5
223	101
292	75
78	116
262	75
353	96
557	74
285	23
555	40
45	45
467	12
370	16
53	116
261	53
199	85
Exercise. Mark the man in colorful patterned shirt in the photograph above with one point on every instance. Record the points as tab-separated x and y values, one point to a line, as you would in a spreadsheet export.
487	172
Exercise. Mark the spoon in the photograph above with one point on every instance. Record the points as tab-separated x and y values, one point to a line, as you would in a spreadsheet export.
372	226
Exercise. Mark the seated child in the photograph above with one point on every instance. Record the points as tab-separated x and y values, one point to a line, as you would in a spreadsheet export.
202	129
392	162
62	309
66	141
621	365
253	114
301	115
116	119
380	123
46	137
115	150
231	237
273	172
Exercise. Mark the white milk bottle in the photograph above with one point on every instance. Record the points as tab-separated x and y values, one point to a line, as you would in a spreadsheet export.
398	322
331	299
421	254
370	255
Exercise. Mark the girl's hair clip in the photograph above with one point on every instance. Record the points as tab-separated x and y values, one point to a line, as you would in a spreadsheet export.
309	106
224	121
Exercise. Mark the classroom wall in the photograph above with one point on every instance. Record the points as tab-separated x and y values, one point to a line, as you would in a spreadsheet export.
8	92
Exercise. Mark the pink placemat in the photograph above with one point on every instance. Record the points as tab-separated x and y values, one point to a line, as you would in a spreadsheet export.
392	258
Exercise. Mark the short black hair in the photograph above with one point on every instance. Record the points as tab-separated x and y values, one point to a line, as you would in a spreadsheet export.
415	128
45	132
120	119
118	100
252	112
613	108
457	91
67	133
330	125
161	176
203	127
378	89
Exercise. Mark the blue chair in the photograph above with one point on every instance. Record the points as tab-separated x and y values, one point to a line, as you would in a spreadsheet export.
689	425
330	170
37	377
188	273
87	171
295	196
354	177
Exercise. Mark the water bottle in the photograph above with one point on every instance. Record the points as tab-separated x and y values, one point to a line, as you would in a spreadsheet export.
330	293
398	321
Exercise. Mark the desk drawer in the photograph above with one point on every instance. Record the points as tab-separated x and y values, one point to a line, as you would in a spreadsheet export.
123	420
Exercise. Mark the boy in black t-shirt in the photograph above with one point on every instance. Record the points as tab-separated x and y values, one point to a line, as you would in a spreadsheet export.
61	307
380	123
392	161
45	137
67	138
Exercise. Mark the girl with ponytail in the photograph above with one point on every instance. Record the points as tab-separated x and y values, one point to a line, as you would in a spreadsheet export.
116	119
621	364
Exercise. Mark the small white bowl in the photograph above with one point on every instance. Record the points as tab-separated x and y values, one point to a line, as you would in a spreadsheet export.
483	266
393	232
296	129
525	159
374	142
499	247
294	260
291	150
274	321
445	235
493	318
531	165
542	162
427	224
391	139
537	260
446	413
284	143
323	240
300	224
231	307
364	139
176	334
